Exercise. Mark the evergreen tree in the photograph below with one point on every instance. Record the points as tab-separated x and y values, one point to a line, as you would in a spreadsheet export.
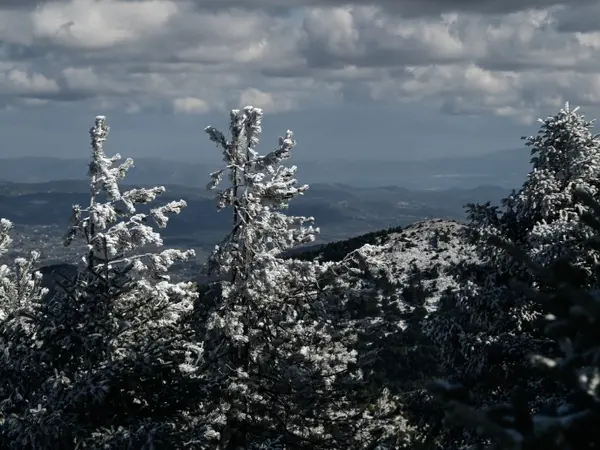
543	217
260	187
571	321
280	356
103	361
20	286
565	157
20	302
484	329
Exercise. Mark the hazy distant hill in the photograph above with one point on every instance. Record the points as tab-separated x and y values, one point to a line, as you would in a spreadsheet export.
336	204
506	168
146	171
426	248
41	211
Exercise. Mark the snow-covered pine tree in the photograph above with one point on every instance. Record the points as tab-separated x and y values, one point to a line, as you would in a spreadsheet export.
571	321
20	302
259	187
20	286
484	328
106	361
281	358
565	157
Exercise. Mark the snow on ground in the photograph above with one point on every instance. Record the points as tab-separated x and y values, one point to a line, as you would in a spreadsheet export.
429	246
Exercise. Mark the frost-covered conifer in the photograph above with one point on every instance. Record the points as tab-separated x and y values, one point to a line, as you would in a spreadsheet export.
571	316
20	301
543	216
20	285
259	188
486	330
104	366
565	157
280	356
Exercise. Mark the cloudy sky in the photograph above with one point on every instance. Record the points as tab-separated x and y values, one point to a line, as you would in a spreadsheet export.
378	79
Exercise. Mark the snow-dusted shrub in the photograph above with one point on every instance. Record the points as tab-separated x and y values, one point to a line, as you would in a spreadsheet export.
102	364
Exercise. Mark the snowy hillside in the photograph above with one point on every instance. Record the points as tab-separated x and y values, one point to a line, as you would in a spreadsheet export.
421	252
410	261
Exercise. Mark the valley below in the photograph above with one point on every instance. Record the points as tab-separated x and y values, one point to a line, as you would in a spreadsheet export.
40	213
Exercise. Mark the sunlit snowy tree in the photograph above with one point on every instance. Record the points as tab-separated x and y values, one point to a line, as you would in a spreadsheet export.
571	316
566	157
259	188
20	285
281	357
20	302
105	365
486	329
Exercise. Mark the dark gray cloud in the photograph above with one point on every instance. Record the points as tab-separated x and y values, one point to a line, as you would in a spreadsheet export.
178	56
583	19
64	95
409	8
373	54
17	52
21	4
403	7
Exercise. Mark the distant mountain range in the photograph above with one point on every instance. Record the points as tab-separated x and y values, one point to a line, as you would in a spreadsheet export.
347	198
506	168
341	211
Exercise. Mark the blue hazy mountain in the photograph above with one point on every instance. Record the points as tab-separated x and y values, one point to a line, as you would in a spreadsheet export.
506	168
